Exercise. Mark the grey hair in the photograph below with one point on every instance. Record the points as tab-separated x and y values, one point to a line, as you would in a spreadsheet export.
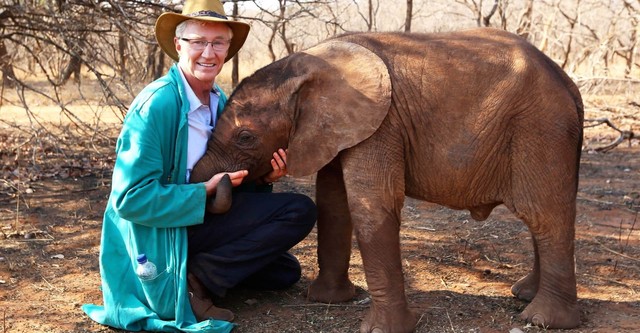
182	26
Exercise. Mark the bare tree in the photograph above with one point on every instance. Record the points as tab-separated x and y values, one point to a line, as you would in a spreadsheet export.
279	21
73	67
634	14
278	25
62	37
486	20
572	20
524	22
476	7
236	60
155	62
502	13
111	43
370	16
409	16
8	76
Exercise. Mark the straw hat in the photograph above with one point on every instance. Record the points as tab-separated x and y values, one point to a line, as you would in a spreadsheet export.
203	10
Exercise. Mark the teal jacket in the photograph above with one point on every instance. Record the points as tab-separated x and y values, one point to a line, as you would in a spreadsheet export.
148	211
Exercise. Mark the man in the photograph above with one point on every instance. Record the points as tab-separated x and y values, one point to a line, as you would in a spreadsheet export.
154	210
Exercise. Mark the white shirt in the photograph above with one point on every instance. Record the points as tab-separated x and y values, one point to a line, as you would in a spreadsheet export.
201	120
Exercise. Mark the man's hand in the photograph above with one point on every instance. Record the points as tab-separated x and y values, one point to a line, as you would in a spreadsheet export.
279	165
236	179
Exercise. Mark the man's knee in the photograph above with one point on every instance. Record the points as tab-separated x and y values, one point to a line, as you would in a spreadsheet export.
306	210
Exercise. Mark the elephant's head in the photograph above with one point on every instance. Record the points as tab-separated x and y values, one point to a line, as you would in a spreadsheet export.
315	103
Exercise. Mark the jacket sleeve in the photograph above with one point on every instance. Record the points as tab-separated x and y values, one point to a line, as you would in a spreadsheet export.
145	189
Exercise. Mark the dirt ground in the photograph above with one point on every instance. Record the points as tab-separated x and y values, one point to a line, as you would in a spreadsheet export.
457	271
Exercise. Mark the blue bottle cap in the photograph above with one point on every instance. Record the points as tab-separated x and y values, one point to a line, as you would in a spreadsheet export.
142	258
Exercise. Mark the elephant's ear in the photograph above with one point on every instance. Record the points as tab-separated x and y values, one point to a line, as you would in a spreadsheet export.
345	98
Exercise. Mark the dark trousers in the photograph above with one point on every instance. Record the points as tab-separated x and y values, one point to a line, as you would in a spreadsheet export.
248	245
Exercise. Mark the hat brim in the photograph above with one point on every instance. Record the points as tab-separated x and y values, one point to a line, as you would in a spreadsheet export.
166	29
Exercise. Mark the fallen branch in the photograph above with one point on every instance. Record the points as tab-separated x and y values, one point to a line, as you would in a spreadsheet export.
616	252
608	203
610	281
624	135
323	305
604	78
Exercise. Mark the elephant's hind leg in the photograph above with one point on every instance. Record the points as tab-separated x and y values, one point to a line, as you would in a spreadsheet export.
543	189
551	285
527	287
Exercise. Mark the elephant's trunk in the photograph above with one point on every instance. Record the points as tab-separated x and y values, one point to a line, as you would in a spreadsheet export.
221	202
209	164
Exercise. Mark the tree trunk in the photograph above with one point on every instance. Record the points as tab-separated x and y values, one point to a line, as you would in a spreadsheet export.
290	47
151	60
502	12
235	64
524	26
370	23
572	24
159	70
274	31
73	68
8	76
155	61
633	44
478	13
122	52
486	20
407	20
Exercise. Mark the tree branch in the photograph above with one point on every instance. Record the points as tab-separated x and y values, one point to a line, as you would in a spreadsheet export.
624	135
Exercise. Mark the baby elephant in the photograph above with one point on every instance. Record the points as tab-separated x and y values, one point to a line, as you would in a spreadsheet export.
469	120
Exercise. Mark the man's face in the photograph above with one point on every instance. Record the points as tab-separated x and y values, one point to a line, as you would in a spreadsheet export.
200	60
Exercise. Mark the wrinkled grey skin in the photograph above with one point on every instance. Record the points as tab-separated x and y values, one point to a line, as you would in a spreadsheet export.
469	120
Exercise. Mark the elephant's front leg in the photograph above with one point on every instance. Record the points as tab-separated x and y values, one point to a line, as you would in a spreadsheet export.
375	200
334	238
377	232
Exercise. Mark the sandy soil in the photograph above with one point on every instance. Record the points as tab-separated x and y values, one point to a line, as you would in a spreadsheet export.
458	271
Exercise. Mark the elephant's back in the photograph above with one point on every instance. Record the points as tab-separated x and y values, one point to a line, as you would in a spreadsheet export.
477	45
453	59
470	77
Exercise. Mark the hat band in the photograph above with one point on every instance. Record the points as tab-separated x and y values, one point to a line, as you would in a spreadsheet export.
207	13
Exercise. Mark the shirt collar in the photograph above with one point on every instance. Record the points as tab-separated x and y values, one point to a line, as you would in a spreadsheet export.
194	102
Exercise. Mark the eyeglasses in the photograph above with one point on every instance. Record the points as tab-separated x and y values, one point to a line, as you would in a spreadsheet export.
219	45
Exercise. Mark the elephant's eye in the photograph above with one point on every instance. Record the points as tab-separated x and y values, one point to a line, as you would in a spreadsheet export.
245	138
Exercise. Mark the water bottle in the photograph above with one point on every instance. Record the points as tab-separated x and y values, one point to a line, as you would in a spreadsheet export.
146	270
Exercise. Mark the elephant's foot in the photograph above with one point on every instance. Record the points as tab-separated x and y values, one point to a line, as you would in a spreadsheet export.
392	319
550	313
526	288
325	291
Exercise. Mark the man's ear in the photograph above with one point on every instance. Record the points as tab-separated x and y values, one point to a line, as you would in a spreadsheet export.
176	42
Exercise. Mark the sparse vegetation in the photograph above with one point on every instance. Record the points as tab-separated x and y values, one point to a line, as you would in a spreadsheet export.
70	68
